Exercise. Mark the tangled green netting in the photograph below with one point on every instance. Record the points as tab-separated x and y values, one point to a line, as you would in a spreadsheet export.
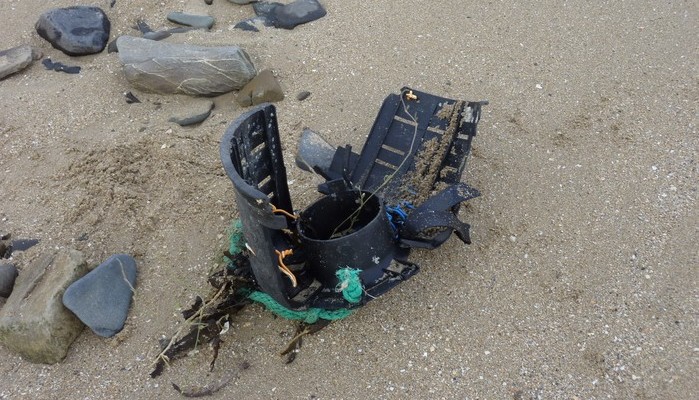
349	285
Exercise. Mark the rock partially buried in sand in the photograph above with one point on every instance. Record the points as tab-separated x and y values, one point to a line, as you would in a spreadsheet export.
33	321
193	20
8	274
16	59
76	31
264	88
193	113
242	2
288	16
101	299
168	68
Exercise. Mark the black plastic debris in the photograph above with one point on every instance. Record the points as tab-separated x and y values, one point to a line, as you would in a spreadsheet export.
402	191
60	67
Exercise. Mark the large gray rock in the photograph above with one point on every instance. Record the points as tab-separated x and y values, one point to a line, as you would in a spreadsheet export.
33	321
168	68
101	299
16	59
75	31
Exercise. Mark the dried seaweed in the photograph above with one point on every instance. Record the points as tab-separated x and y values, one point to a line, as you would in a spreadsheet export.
206	320
303	329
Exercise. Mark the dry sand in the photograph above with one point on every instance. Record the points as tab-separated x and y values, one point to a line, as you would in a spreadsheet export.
582	279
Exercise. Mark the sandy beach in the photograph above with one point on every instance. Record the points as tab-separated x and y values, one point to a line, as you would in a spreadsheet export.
581	282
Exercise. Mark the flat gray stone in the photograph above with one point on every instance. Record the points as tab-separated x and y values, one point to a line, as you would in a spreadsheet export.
33	321
101	299
15	59
288	16
264	88
297	13
8	274
193	20
168	68
193	112
75	30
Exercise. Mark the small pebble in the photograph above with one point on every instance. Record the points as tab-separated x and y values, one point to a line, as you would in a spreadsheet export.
130	98
303	95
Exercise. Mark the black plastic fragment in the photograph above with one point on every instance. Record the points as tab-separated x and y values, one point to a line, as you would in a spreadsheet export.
437	212
60	67
419	144
402	191
252	158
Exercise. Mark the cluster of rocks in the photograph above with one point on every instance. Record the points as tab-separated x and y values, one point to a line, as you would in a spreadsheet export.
54	297
76	31
51	300
167	68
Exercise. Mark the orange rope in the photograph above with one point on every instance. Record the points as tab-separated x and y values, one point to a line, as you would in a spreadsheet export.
283	266
282	211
